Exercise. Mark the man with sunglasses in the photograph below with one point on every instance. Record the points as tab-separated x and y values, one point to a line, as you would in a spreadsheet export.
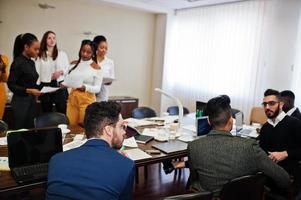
280	136
95	170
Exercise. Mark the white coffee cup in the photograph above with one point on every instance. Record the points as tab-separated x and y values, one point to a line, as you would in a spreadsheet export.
63	126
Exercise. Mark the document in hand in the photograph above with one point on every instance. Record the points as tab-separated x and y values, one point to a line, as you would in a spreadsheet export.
73	81
47	89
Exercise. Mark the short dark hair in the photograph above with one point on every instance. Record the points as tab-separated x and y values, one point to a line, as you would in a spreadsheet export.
98	115
272	92
219	110
287	93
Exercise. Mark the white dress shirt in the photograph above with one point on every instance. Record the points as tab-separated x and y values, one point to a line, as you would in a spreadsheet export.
91	78
290	112
46	67
278	119
107	66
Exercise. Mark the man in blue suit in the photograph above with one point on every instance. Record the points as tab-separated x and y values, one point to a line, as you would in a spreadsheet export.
96	170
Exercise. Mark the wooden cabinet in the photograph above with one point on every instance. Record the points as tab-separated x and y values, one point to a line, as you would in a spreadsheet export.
128	104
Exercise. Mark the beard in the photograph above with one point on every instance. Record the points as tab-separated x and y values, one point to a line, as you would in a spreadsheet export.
272	114
117	142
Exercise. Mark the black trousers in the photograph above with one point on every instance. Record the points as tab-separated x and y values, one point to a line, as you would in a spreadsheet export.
24	111
59	98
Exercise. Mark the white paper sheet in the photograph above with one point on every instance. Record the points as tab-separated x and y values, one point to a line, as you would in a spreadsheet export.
3	141
46	89
138	122
4	164
137	154
130	142
73	144
73	81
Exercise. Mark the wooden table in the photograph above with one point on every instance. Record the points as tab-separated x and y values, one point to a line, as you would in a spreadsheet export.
8	185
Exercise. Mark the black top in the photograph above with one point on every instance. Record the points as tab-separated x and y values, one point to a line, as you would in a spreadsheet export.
296	114
285	136
23	74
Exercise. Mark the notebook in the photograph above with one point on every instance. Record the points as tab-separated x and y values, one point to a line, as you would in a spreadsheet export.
143	139
171	146
29	153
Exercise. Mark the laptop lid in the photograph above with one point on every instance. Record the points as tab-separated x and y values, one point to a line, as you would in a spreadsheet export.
203	126
171	146
33	146
239	121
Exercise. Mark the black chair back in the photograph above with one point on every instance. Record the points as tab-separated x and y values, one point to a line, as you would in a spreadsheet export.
174	110
250	187
193	196
50	119
143	112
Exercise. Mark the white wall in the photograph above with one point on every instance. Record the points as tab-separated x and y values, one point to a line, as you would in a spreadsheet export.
130	34
280	45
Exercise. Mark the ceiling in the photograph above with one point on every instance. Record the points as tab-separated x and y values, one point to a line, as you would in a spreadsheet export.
165	6
180	4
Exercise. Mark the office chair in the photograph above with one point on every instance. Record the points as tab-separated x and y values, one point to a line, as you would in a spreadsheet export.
249	187
50	119
258	116
143	112
192	196
174	110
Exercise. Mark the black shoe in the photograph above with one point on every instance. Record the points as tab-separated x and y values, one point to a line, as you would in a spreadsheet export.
168	167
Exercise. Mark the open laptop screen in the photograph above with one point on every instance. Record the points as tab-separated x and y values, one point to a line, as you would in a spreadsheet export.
33	146
239	121
203	126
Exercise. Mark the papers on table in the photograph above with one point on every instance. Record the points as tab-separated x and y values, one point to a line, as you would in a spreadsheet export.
4	164
46	89
137	154
190	128
73	144
130	142
73	81
138	122
3	141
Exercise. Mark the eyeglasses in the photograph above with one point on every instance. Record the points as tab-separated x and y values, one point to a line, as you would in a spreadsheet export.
270	103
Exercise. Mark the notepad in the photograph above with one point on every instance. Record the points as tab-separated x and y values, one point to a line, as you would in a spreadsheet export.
143	139
137	154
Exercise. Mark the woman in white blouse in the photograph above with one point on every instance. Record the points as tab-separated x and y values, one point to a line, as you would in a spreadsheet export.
52	66
85	78
107	66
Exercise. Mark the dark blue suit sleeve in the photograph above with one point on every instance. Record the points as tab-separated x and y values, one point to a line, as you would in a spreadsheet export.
127	192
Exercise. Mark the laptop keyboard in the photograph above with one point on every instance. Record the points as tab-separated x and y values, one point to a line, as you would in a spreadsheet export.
37	171
245	131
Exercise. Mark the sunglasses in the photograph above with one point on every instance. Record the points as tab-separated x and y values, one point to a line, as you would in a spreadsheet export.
270	103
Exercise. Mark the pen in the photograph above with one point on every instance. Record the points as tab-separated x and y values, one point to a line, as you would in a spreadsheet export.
122	148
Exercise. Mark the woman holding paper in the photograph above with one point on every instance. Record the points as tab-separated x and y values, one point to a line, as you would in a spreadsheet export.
85	79
52	66
107	66
22	80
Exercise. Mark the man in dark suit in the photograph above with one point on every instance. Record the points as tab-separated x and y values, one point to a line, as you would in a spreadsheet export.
220	157
288	98
95	170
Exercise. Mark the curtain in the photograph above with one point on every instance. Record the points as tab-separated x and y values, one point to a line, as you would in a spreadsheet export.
216	50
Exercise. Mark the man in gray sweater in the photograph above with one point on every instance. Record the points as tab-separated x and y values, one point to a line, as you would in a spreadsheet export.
220	157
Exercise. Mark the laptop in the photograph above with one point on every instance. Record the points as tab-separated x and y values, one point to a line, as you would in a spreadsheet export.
171	146
143	139
239	125
29	153
203	126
